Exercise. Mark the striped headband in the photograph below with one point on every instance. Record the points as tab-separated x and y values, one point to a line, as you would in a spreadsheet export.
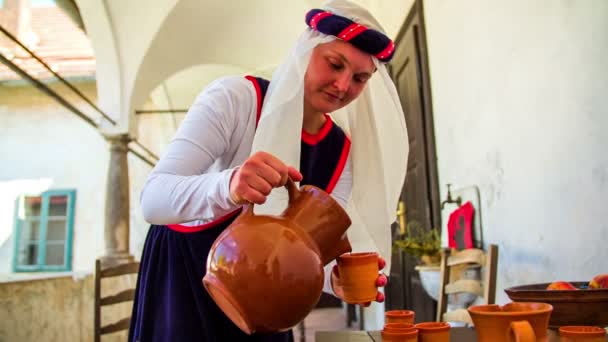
371	41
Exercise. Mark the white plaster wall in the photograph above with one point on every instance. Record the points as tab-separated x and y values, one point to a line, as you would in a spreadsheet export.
43	146
391	14
520	108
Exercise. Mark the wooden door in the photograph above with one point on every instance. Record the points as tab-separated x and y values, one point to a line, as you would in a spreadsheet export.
420	194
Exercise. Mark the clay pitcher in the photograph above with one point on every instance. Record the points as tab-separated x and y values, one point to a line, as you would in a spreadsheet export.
515	321
266	272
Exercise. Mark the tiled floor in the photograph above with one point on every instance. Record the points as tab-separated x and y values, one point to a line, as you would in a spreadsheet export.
321	319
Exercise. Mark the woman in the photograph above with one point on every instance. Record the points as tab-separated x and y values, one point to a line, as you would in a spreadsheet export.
240	142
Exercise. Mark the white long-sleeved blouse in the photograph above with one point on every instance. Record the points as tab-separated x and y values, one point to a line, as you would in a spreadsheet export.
190	183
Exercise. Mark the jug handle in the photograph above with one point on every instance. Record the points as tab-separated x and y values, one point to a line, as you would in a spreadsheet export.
292	191
521	331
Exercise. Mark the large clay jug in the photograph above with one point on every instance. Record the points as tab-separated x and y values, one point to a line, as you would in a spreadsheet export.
515	321
266	272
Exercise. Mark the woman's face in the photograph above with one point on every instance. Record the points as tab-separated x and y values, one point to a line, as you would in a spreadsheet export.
336	75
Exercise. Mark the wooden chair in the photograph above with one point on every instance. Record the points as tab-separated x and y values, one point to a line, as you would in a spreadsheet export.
453	264
123	296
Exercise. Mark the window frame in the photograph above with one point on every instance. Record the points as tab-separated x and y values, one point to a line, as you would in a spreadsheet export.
42	240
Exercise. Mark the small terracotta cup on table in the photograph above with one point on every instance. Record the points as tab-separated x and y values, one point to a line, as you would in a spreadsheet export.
574	333
398	327
358	275
399	332
399	335
399	316
433	332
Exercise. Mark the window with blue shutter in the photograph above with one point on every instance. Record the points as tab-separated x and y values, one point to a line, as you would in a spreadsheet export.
43	231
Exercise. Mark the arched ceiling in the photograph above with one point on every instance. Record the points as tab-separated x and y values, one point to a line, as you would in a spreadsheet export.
139	46
180	89
245	34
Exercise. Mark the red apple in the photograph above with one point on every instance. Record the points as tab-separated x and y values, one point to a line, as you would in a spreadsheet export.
561	285
599	282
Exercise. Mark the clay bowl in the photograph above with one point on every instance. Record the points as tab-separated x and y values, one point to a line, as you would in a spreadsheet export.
433	331
574	333
496	323
570	307
398	327
404	335
399	316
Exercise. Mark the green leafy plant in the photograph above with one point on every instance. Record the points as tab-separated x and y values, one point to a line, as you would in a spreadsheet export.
419	242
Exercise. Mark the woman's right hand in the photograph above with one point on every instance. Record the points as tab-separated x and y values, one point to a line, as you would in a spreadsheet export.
258	175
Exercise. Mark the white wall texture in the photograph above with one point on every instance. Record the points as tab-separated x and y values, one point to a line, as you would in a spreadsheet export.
46	147
43	146
520	109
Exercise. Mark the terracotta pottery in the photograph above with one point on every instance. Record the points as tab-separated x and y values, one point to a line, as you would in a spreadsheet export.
582	334
399	316
396	327
403	335
433	331
584	306
266	272
358	275
514	321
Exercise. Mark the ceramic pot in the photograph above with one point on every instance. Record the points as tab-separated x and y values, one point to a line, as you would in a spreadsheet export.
582	334
516	321
266	272
399	316
358	276
398	327
401	335
433	331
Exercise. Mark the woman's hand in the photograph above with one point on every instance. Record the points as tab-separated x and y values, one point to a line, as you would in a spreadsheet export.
258	175
380	282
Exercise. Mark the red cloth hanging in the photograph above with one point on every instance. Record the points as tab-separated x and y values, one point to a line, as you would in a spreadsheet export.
460	227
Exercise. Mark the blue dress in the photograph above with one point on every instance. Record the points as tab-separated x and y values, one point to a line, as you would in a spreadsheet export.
171	303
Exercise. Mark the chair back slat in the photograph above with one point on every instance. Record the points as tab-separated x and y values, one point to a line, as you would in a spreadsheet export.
123	324
123	296
121	269
464	285
453	265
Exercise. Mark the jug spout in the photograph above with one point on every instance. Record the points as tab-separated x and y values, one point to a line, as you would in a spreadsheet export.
323	219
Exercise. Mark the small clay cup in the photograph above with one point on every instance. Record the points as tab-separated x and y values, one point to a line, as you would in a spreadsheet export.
433	332
396	327
580	333
403	335
358	275
399	316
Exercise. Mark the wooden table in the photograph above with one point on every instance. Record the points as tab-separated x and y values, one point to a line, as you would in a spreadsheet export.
456	335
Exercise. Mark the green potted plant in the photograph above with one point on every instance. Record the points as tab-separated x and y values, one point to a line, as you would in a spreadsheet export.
424	244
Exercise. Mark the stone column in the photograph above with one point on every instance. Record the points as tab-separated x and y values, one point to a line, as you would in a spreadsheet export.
116	231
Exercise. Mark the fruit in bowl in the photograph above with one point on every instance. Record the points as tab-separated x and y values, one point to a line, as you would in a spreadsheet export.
561	285
585	306
600	281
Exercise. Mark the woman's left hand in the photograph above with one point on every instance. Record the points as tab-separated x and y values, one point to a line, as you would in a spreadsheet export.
380	282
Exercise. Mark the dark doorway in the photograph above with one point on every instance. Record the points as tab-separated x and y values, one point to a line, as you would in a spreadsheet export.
420	194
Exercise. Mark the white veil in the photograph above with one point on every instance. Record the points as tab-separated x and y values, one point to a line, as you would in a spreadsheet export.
374	121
